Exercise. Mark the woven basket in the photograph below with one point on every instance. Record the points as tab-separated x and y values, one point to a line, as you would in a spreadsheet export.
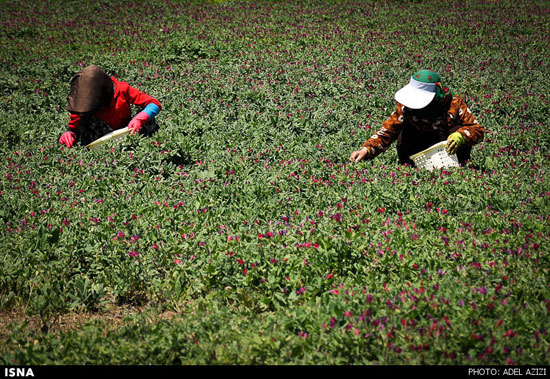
435	157
119	133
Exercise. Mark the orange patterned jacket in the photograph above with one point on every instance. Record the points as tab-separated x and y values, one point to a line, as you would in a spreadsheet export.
456	115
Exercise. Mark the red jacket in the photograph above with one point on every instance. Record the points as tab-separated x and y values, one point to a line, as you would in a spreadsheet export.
119	113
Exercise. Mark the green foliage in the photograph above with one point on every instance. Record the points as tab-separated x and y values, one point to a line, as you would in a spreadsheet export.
243	214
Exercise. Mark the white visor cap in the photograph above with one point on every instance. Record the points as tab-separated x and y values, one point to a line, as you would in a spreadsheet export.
416	95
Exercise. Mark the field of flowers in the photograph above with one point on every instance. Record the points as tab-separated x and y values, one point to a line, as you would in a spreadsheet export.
240	233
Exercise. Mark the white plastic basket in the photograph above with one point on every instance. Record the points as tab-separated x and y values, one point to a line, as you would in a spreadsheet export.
435	157
119	133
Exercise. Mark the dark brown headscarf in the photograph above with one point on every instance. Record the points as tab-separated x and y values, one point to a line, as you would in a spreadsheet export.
91	88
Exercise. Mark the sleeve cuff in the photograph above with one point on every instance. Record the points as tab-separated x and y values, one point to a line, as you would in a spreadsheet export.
152	110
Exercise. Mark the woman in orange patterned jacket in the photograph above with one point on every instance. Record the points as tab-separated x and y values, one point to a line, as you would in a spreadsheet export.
427	113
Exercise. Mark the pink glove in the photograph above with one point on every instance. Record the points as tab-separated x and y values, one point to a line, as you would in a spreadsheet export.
137	122
68	138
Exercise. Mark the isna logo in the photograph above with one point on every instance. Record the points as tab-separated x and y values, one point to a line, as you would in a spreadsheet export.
18	372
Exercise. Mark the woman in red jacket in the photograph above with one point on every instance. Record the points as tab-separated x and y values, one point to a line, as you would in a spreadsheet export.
100	104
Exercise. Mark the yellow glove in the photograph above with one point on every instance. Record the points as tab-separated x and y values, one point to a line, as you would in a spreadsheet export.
454	141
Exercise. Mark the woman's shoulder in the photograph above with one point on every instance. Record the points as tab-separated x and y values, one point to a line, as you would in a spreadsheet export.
120	86
457	99
456	102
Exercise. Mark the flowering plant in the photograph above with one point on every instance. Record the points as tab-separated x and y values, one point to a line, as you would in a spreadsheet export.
240	232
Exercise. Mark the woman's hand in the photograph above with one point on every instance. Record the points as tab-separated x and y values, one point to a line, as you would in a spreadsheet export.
454	141
358	155
137	122
68	138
